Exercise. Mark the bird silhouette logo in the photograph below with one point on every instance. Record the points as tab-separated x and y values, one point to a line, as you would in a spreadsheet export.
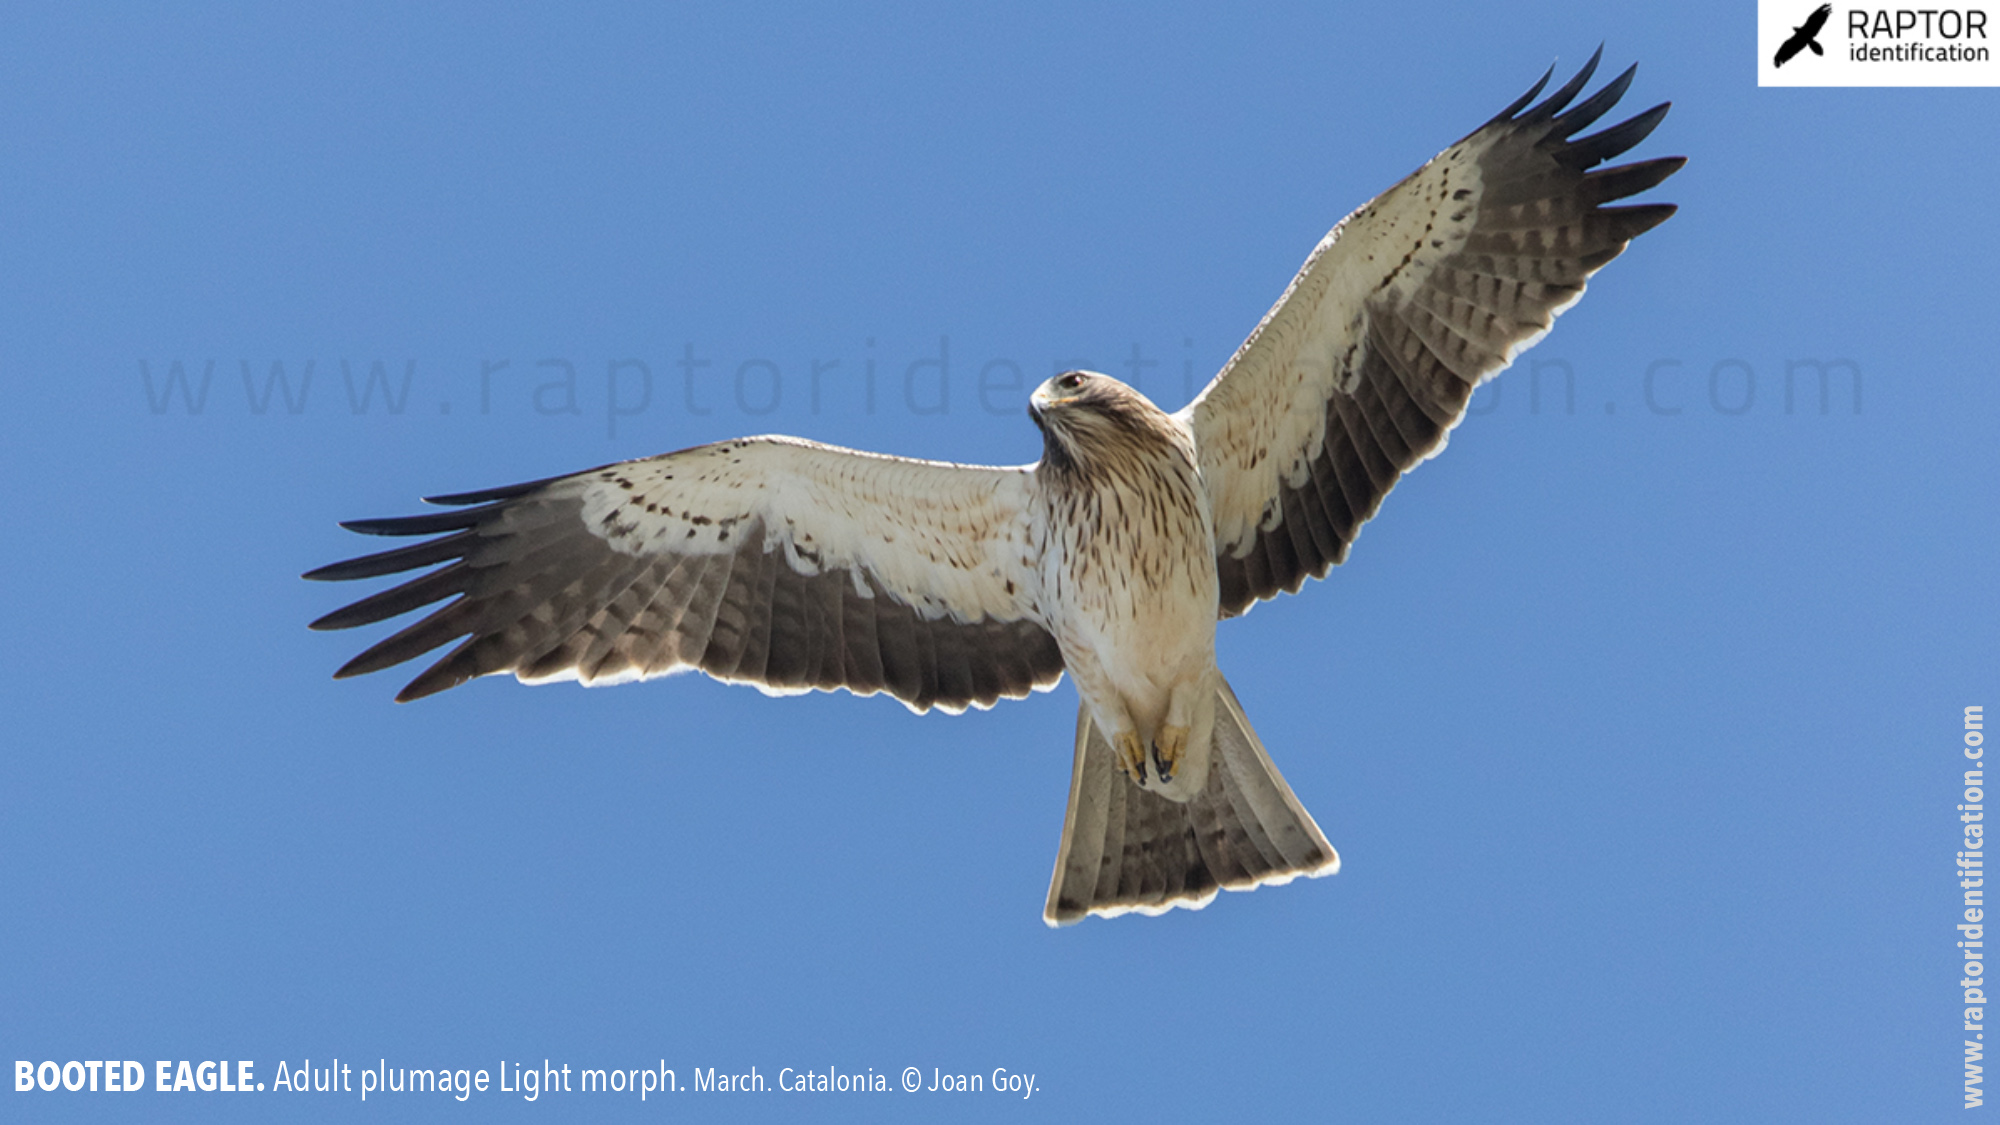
1805	35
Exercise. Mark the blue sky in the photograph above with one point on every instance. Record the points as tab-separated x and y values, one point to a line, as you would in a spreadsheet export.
1634	716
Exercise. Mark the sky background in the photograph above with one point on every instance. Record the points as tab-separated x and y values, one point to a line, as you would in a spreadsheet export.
1635	719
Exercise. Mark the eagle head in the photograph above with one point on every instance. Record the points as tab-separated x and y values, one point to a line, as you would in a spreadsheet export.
1087	418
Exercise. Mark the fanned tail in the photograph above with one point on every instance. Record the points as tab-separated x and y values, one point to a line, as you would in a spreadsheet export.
1125	849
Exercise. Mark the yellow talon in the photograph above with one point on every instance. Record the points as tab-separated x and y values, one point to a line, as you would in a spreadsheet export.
1131	756
1168	750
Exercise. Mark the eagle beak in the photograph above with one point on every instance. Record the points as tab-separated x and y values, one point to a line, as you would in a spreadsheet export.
1039	402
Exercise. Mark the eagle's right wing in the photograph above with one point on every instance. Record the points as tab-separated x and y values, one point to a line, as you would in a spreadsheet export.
778	562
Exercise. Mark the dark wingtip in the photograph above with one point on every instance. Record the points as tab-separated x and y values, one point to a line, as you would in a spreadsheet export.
490	495
418	689
444	675
1580	116
1663	212
423	686
334	622
398	600
394	561
1607	184
383	654
1554	103
347	570
434	522
1520	103
414	525
1592	150
455	528
1639	218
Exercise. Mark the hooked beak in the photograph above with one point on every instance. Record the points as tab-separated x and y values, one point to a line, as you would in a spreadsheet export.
1039	402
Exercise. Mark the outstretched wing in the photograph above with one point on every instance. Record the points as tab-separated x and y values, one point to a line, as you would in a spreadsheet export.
771	561
1367	360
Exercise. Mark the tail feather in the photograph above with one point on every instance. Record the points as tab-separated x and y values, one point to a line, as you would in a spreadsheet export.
1125	848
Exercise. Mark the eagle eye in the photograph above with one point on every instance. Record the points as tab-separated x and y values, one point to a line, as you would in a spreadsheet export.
1072	381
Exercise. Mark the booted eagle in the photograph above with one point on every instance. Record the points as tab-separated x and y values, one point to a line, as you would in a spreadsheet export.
792	565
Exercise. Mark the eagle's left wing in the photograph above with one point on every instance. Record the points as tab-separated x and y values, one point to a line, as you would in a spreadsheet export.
1367	360
773	561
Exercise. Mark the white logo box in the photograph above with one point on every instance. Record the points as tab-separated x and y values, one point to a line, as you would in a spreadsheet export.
1866	45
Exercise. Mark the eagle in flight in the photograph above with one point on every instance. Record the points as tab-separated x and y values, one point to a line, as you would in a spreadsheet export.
796	566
